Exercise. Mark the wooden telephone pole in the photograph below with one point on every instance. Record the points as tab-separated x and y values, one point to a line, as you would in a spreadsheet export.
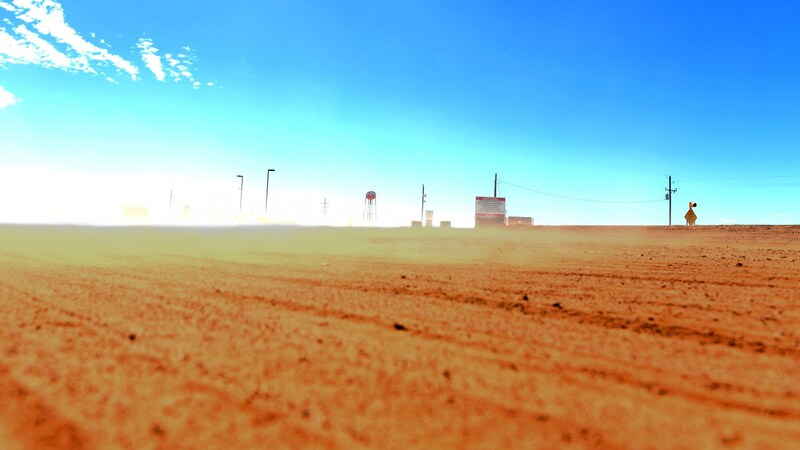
670	191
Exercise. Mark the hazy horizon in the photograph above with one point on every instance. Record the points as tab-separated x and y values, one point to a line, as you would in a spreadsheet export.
579	108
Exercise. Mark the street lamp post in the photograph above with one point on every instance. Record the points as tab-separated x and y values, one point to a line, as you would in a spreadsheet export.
241	190
266	197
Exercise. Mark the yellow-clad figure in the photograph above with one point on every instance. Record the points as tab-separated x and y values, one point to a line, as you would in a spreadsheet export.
690	216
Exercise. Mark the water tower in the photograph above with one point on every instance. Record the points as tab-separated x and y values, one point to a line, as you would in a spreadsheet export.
370	207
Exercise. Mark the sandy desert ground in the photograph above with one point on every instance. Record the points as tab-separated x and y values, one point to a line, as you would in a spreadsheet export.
551	337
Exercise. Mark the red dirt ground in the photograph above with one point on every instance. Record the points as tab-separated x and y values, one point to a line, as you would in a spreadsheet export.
598	337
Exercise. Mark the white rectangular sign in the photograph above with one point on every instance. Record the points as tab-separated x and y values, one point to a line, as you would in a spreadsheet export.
490	207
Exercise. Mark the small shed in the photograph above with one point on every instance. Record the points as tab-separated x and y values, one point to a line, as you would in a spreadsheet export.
520	221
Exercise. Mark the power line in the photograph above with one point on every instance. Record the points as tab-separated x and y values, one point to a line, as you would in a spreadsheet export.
766	185
576	198
785	167
741	178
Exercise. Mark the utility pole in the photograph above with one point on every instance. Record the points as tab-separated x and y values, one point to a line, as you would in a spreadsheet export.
495	185
325	208
670	191
422	212
170	199
241	190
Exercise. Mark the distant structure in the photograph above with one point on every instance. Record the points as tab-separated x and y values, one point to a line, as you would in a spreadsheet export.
136	213
429	218
370	213
490	212
325	205
520	221
690	216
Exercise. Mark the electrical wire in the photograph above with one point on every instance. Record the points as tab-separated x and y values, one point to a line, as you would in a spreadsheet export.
763	185
576	198
740	178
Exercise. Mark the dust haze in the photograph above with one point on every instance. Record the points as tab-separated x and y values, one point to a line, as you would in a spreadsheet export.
267	337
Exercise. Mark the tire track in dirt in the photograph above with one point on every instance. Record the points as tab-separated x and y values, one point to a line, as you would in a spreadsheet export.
288	305
610	322
473	362
31	422
710	337
593	372
705	337
147	361
578	432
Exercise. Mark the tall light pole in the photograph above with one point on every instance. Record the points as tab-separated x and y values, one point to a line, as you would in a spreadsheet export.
266	197
241	190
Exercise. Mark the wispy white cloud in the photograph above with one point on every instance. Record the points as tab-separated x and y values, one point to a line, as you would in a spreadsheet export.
30	48
6	98
151	58
43	37
179	67
36	32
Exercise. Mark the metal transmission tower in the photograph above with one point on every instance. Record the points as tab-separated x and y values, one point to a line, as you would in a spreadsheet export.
670	191
325	205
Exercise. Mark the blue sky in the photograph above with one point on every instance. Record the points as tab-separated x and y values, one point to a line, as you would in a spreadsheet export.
117	104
